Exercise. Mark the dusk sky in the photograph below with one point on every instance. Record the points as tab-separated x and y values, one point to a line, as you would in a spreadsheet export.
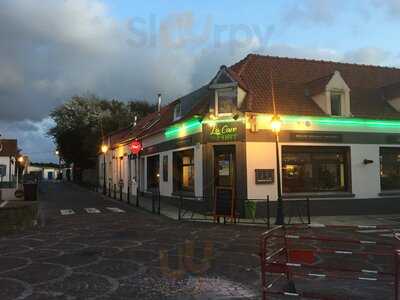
125	49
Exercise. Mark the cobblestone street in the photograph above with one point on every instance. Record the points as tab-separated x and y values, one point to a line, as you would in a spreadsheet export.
128	254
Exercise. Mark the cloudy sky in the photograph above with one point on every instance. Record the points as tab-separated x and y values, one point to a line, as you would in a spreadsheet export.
128	49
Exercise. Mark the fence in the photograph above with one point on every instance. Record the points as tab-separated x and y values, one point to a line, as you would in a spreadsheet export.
184	207
318	253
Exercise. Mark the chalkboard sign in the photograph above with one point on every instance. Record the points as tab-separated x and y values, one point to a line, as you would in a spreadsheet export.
224	202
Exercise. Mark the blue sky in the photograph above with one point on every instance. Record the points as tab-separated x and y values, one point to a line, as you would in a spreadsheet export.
128	49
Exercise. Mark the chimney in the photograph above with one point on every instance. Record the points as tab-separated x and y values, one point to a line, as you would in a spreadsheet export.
159	103
135	120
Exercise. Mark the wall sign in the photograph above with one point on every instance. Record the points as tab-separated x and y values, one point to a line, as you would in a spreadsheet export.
316	137
264	176
136	147
224	132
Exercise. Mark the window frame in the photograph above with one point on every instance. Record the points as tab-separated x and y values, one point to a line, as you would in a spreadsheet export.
381	166
340	94
344	150
165	168
177	113
177	173
234	101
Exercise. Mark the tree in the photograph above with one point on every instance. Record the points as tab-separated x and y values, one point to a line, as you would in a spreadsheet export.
82	121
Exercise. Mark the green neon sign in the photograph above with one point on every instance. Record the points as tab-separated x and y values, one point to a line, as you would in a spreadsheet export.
344	122
183	129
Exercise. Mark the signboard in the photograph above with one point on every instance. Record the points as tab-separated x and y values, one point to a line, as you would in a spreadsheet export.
316	137
264	176
224	132
136	147
224	202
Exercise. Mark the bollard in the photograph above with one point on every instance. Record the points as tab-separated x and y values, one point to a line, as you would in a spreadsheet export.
180	208
137	197
128	197
115	191
120	193
109	189
153	206
159	202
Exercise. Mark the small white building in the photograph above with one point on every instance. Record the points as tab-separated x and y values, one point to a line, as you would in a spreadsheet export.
8	158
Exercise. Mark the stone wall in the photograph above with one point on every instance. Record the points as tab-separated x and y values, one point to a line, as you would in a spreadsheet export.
18	216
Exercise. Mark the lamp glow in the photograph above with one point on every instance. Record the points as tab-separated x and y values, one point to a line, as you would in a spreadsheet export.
276	124
21	159
104	148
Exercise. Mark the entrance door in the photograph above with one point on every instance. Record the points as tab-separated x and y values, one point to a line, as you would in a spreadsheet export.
224	175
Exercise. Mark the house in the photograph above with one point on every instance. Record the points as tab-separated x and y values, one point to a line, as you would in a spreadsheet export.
339	138
8	158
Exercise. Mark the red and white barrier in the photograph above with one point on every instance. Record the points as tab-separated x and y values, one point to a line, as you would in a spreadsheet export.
292	261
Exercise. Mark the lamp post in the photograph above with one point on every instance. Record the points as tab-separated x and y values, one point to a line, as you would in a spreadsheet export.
18	165
104	149
276	125
59	164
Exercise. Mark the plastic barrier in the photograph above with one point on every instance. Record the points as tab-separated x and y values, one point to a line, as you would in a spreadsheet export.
318	252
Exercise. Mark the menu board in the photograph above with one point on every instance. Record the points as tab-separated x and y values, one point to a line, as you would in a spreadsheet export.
224	202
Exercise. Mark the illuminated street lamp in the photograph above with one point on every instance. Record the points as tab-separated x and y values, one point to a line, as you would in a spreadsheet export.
104	149
276	125
59	163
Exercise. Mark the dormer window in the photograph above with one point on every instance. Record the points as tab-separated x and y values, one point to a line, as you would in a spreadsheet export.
336	103
177	111
226	101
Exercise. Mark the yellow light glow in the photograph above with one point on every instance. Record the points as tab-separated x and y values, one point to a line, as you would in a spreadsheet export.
57	152
21	159
104	148
276	124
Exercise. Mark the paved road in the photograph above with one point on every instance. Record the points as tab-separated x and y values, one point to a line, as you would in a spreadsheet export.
94	248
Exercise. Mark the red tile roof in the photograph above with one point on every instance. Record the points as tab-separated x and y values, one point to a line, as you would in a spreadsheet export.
292	76
295	82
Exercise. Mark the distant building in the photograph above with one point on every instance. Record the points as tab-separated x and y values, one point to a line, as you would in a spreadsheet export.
8	158
49	171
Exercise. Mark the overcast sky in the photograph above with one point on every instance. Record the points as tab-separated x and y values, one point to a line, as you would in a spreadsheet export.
126	49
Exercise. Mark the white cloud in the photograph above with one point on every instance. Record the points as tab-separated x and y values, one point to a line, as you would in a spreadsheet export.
370	56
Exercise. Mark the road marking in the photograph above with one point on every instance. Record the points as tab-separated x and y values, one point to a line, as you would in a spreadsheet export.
115	209
4	204
66	212
92	210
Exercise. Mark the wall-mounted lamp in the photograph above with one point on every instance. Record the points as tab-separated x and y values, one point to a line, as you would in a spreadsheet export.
367	161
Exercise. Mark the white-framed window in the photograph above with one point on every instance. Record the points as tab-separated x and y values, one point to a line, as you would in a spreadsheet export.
226	101
336	103
177	111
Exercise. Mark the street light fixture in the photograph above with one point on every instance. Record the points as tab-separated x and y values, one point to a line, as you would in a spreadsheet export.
104	149
276	125
59	163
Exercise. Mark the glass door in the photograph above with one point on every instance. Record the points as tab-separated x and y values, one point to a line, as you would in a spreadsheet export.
224	175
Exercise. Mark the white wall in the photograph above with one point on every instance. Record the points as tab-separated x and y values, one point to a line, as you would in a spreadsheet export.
260	155
4	160
365	179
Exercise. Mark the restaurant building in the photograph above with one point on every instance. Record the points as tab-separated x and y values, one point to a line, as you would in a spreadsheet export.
339	139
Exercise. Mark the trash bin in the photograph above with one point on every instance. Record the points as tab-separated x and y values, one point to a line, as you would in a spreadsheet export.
30	191
250	209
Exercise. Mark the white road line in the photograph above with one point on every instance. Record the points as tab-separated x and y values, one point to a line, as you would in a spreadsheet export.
115	209
92	210
3	204
66	212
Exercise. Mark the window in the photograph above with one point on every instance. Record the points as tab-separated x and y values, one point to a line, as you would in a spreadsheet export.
336	104
153	169
177	111
390	168
184	171
165	168
226	101
315	169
